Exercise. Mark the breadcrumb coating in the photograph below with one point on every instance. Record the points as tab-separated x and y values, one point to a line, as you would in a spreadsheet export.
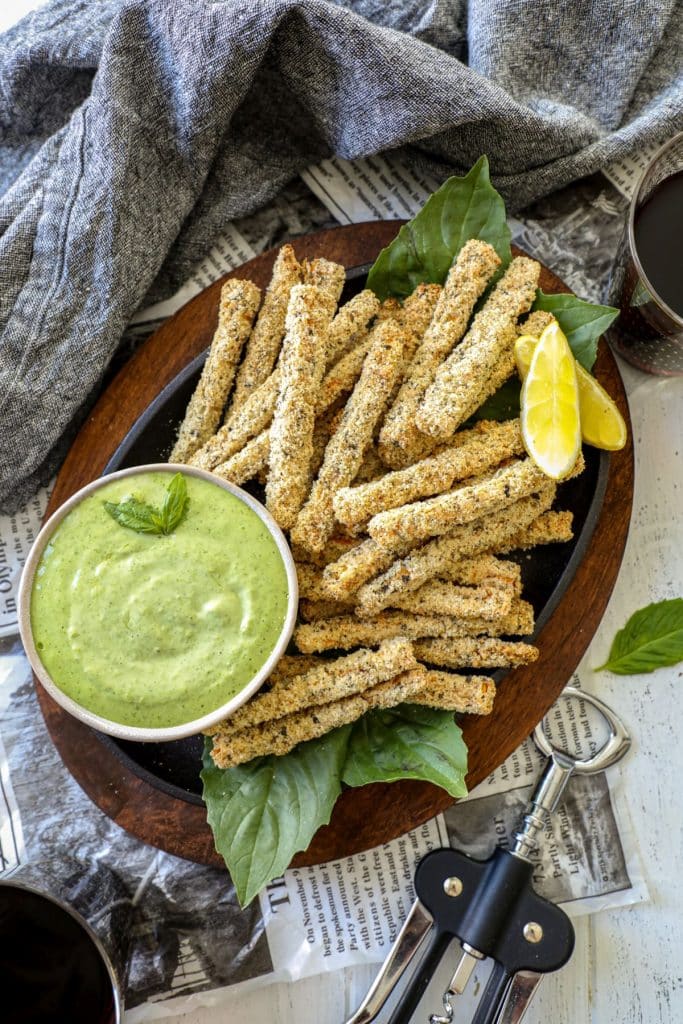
239	304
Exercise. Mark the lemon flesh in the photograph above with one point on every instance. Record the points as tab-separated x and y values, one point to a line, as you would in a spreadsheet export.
551	427
602	425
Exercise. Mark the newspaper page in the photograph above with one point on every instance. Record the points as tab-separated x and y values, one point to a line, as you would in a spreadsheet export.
17	533
625	174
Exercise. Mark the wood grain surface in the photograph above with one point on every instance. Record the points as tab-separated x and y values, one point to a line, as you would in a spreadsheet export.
374	814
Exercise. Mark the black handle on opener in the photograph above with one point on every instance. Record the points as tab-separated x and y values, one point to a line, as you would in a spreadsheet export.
495	904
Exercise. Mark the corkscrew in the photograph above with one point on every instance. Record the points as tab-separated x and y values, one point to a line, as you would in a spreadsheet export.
490	907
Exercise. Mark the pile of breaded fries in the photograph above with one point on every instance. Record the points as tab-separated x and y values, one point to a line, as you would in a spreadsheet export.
397	513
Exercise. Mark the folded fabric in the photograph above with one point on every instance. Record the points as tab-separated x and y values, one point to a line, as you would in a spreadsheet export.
132	132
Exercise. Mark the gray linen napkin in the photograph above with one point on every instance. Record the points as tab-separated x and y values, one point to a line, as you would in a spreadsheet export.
132	132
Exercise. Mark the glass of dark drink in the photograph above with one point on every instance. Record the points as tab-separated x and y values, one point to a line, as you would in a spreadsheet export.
647	281
53	968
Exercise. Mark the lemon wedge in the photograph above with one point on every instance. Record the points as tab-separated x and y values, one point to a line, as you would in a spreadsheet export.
602	425
551	427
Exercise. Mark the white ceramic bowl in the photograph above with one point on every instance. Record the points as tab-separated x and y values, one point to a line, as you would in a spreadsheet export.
175	732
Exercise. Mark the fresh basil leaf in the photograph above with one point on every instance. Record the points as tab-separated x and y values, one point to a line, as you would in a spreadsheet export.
134	515
137	515
581	322
265	811
176	504
503	404
426	246
652	638
407	742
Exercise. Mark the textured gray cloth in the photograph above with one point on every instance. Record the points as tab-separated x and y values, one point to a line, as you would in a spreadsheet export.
133	132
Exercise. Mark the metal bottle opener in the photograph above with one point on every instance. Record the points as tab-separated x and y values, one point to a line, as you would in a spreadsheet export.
491	907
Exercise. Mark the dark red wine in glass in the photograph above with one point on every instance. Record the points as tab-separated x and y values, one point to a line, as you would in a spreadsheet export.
647	280
53	968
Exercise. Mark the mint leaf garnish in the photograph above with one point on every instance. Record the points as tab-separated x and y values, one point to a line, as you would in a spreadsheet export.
143	518
652	638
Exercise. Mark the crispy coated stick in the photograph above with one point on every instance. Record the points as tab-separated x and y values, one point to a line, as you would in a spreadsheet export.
238	306
324	274
467	695
264	343
255	414
463	381
248	421
327	682
350	571
310	581
371	468
475	652
473	452
347	631
400	442
416	522
343	376
483	569
335	548
247	463
282	735
313	611
535	323
486	601
549	528
344	453
291	434
350	325
289	666
430	561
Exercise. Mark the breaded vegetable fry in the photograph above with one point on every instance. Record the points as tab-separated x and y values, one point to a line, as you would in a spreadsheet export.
475	652
476	263
335	548
327	682
264	343
247	463
467	695
463	380
347	631
313	611
484	569
549	528
433	558
416	522
343	376
344	453
350	571
439	598
291	434
283	734
310	581
390	309
350	325
371	468
289	666
535	323
473	452
238	306
329	277
253	417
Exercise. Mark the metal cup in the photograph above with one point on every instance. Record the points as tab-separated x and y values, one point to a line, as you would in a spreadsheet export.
647	333
53	967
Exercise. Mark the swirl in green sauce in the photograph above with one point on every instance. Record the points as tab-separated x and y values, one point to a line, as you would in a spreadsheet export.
154	631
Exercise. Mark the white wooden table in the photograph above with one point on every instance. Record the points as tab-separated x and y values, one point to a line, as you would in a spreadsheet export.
628	964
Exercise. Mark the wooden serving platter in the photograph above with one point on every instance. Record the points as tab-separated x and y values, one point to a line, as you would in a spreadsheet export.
162	814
